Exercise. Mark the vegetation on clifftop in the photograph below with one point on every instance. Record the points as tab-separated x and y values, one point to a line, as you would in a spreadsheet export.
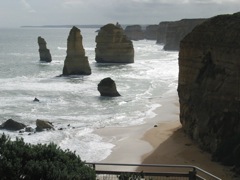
20	160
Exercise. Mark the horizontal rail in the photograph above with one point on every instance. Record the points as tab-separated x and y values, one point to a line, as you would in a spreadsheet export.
194	168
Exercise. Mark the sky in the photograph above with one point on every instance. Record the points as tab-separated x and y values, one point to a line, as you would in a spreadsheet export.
16	13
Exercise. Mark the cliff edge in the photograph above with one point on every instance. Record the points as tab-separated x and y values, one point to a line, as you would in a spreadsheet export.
209	86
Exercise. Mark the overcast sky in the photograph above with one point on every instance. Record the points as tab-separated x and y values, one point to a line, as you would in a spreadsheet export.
15	13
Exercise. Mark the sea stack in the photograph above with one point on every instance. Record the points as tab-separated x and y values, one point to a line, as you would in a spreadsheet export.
113	46
209	86
76	63
134	32
107	87
44	53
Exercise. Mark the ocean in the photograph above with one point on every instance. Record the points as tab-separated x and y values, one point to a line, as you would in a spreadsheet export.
74	103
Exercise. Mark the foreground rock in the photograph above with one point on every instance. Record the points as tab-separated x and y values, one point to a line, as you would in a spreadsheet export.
113	46
12	125
134	32
209	86
107	87
76	63
177	30
43	51
43	125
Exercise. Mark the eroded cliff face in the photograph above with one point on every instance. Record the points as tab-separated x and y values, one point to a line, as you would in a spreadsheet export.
162	32
76	63
113	46
151	32
209	85
177	30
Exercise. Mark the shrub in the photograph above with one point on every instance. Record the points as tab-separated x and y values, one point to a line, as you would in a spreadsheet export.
20	160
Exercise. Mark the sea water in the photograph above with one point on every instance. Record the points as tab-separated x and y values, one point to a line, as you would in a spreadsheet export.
73	104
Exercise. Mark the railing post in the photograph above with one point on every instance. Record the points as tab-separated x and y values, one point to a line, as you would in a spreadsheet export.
192	174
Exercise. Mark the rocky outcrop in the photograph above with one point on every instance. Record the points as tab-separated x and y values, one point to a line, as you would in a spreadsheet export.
209	86
151	32
177	30
113	46
76	63
12	125
134	32
107	87
162	32
43	51
43	125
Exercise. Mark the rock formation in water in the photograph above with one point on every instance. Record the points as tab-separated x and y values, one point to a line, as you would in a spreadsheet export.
12	125
209	86
76	63
113	46
162	32
177	30
43	51
134	32
43	125
107	87
151	32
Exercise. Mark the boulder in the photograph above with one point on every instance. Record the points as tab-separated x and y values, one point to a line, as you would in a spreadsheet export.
177	30
43	125
151	32
113	46
12	125
43	51
107	87
134	32
76	63
209	85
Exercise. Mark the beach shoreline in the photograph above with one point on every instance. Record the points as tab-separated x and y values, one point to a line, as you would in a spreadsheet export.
160	140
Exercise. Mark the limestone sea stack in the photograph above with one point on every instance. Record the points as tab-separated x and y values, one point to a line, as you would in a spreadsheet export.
44	53
209	86
162	32
107	87
113	46
151	32
76	63
134	32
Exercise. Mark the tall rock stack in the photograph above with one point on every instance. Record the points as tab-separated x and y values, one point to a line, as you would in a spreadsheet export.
151	32
209	86
43	51
113	46
162	32
76	63
134	32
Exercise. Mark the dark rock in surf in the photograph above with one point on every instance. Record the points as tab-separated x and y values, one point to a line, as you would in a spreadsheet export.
43	125
12	125
107	87
36	100
76	63
44	53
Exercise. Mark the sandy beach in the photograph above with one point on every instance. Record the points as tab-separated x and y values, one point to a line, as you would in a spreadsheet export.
165	143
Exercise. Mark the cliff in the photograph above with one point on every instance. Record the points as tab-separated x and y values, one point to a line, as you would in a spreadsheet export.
162	32
177	30
76	63
113	46
44	53
209	86
151	32
134	32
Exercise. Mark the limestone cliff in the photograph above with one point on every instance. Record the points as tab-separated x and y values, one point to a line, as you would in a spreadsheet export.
177	30
162	32
134	32
209	86
151	32
44	53
113	46
76	63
